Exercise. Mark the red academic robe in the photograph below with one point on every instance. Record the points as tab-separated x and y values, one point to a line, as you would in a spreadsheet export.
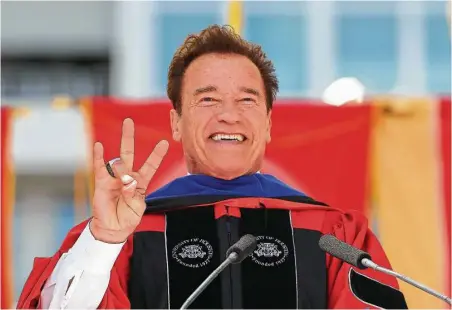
320	279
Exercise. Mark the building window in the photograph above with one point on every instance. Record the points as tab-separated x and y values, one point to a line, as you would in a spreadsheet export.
36	79
280	28
175	21
366	42
438	64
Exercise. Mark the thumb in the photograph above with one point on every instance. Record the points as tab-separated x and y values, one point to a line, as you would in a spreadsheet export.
128	189
129	184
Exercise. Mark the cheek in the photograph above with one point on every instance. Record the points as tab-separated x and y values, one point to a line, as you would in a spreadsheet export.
264	134
261	128
194	129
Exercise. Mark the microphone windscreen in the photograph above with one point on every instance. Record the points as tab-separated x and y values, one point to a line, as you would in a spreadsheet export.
243	248
343	251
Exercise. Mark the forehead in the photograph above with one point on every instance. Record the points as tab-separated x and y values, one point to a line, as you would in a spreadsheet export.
225	71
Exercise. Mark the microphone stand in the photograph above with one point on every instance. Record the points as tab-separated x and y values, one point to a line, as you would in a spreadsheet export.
231	258
368	263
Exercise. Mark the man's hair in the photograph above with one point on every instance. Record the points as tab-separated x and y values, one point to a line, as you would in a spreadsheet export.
222	40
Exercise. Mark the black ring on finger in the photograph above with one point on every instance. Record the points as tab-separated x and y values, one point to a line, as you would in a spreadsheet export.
109	168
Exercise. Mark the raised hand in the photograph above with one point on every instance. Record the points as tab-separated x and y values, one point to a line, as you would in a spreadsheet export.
118	203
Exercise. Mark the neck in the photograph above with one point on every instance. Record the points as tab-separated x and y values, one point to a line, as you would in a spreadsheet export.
222	175
218	173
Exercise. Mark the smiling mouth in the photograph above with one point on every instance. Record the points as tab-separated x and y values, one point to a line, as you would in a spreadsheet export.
220	137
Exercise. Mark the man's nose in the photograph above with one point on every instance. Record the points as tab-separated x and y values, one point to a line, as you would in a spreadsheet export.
229	112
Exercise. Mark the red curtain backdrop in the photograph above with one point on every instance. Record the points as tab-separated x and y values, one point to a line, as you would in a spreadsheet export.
7	196
321	150
446	160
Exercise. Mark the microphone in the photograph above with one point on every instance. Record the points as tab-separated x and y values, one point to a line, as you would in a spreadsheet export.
234	255
343	251
363	260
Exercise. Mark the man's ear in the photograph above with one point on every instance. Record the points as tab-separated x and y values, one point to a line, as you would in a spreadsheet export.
269	126
175	125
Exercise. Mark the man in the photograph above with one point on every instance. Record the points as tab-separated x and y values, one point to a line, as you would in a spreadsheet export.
153	252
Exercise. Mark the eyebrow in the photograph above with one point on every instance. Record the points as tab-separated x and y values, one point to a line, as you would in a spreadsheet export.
211	88
206	89
251	91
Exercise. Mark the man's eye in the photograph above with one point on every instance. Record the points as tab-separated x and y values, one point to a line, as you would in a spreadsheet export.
208	99
248	100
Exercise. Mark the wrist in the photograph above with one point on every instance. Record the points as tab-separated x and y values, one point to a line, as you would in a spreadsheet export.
92	255
106	235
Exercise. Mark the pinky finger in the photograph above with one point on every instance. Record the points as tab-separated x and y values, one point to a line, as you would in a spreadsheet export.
98	160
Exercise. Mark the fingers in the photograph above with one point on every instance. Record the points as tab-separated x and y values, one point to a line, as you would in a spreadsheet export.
129	183
98	160
129	186
154	160
127	143
121	172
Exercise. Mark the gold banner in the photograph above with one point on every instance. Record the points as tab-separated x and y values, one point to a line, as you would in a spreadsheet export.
407	189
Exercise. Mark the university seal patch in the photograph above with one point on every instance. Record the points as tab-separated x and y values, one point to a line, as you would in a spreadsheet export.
193	253
270	252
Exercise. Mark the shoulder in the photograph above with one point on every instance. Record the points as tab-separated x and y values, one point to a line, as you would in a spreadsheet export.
168	188
270	182
328	219
349	221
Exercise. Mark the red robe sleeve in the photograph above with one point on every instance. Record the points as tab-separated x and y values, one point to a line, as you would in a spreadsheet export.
116	294
352	228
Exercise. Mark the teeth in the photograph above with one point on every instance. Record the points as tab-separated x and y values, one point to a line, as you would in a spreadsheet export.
220	137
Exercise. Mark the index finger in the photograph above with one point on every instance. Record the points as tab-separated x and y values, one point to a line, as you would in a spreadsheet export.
152	163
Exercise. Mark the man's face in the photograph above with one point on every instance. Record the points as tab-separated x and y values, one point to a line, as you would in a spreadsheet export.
224	126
